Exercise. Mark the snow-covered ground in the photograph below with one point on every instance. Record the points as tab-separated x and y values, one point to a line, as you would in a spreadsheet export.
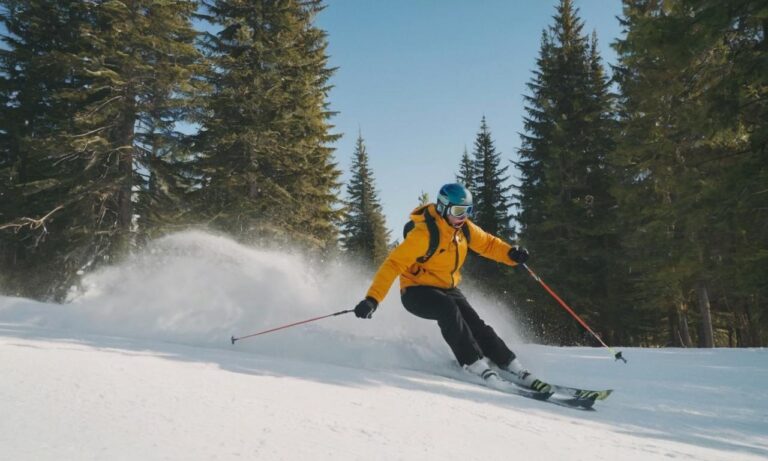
138	366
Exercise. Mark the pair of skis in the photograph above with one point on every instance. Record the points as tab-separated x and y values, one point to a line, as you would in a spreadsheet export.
566	396
560	395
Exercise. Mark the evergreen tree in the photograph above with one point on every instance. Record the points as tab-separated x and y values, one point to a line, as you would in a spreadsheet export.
490	193
491	204
364	231
265	166
78	78
151	69
567	212
424	199
171	97
466	171
652	236
693	156
36	33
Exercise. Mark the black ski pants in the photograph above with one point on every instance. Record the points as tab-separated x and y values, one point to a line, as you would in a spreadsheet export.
465	332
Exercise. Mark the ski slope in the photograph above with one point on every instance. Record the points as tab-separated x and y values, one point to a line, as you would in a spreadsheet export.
138	365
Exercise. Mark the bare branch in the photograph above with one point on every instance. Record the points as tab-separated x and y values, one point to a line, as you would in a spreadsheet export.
32	223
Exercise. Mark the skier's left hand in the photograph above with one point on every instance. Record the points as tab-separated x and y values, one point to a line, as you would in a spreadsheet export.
518	254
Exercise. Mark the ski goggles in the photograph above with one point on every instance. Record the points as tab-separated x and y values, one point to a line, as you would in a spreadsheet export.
460	211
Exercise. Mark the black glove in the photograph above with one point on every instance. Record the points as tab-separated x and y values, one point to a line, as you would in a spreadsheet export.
366	308
518	254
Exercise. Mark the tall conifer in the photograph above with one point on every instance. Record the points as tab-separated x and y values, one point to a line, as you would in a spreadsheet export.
487	182
566	208
693	153
491	193
266	168
423	198
466	171
81	76
364	232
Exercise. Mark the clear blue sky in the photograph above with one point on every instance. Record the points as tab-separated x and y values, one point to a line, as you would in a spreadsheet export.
416	77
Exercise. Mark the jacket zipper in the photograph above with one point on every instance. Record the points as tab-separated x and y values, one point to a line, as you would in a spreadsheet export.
456	263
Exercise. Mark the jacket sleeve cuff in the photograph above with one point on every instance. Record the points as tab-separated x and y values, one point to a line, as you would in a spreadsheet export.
373	300
373	297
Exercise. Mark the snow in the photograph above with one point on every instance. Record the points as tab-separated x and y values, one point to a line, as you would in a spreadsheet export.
138	365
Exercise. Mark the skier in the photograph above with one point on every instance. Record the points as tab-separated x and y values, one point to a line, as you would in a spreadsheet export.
428	284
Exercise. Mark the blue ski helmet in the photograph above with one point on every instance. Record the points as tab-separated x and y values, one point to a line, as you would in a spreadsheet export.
454	199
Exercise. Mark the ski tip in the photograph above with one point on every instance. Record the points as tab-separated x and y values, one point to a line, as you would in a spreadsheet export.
592	395
601	395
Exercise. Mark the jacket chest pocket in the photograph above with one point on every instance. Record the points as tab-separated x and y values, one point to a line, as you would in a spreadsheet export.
451	255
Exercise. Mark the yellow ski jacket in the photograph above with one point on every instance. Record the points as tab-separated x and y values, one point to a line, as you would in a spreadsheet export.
443	268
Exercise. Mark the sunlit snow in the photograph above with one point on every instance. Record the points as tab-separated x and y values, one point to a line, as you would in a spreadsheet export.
138	366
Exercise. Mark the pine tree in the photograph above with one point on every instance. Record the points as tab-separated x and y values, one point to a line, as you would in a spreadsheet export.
364	231
78	75
567	212
652	239
466	171
36	32
693	155
266	168
151	69
491	194
423	199
491	205
170	99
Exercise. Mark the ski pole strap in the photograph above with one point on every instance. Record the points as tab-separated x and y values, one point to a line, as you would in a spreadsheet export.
616	355
233	339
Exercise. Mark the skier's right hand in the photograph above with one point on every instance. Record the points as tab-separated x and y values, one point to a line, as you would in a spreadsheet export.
366	308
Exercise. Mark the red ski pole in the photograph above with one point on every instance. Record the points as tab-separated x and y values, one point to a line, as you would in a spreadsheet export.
290	325
616	355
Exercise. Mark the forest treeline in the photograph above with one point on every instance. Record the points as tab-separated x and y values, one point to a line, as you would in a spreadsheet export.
644	185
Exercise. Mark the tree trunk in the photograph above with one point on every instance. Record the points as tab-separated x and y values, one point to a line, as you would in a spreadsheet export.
751	328
124	137
674	330
707	333
765	34
679	335
685	333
